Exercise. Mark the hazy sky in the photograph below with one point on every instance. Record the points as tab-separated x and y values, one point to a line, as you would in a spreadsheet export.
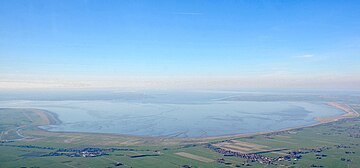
228	44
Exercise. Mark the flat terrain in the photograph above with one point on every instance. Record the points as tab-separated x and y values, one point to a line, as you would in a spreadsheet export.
334	143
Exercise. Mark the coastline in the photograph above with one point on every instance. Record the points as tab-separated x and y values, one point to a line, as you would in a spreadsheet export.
47	117
53	117
348	113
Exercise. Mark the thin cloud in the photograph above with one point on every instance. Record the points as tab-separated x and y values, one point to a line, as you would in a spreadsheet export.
305	56
187	13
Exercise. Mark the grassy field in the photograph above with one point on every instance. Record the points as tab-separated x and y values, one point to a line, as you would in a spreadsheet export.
335	144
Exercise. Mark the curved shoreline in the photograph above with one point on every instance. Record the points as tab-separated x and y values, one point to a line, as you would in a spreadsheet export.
52	117
348	113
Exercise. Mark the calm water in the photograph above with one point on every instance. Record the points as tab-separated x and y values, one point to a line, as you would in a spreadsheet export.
188	116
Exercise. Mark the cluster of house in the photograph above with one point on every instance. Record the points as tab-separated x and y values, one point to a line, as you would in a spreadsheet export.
349	152
344	159
251	157
291	155
320	156
80	152
342	146
314	150
297	154
94	152
6	141
272	134
314	165
86	152
222	160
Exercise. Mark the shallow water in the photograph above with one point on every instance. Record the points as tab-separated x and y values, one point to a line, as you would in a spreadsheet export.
178	116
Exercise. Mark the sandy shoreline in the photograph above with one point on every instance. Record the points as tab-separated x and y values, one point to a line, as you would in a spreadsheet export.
348	113
52	117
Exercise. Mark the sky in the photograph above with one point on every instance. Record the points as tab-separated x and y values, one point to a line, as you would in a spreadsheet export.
183	44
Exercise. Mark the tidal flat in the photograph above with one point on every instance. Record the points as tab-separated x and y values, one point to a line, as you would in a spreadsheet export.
194	115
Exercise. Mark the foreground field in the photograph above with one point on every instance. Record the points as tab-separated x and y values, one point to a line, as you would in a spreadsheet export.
334	144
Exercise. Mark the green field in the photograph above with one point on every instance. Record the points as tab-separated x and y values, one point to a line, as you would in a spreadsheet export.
22	144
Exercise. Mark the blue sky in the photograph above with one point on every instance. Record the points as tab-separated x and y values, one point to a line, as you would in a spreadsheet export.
164	43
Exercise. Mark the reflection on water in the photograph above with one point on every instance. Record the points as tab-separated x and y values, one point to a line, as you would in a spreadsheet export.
199	117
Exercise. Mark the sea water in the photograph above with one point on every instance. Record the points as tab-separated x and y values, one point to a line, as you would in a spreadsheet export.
177	115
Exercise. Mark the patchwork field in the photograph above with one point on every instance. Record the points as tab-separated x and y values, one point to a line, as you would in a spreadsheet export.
334	144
